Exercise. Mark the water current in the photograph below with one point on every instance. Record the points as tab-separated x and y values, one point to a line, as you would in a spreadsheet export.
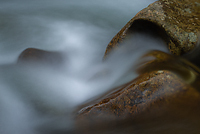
36	98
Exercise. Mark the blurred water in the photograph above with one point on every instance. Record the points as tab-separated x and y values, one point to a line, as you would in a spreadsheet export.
34	99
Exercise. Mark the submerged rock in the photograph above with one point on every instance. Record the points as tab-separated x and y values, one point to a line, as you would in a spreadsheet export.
37	56
176	21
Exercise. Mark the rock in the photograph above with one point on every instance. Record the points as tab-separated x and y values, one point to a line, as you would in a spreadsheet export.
176	21
37	56
165	98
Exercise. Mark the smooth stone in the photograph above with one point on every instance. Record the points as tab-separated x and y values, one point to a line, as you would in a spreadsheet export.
38	56
165	98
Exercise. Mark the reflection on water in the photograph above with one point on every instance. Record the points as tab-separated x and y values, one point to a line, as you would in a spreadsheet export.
40	99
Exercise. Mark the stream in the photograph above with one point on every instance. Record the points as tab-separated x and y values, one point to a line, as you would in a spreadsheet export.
39	99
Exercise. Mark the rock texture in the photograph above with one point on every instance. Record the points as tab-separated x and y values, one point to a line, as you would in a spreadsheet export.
165	98
164	75
166	92
176	21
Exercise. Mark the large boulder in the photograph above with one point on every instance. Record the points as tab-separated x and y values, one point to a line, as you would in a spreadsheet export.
176	21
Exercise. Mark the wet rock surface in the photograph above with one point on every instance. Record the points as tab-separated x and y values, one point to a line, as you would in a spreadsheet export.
38	56
176	21
159	97
165	93
165	98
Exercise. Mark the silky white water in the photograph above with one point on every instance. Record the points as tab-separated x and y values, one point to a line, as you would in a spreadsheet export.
37	99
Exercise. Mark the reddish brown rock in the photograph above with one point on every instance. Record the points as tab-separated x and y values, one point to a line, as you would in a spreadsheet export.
159	97
165	94
37	56
176	21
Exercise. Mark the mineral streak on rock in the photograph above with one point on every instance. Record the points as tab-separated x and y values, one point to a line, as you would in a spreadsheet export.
178	21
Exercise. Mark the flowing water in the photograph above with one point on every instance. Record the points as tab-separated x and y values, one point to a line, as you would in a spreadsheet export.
36	98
